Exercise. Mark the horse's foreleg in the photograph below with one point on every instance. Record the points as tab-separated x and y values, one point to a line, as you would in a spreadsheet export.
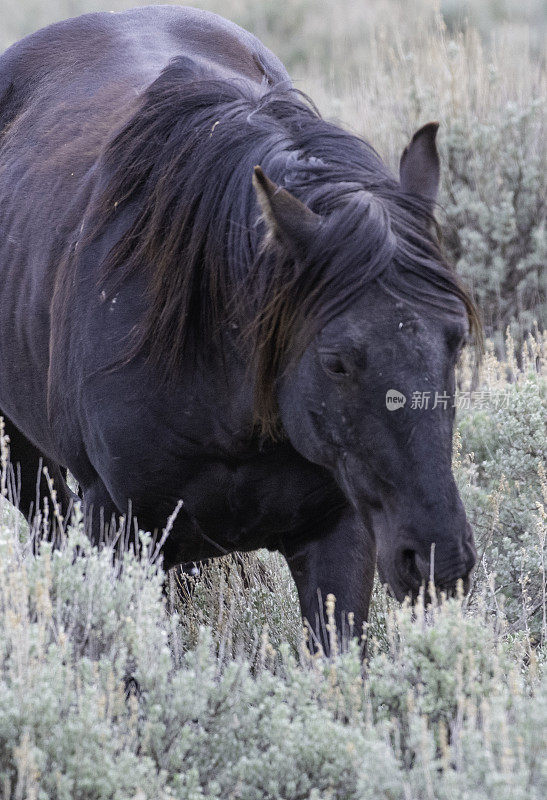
28	485
101	513
340	562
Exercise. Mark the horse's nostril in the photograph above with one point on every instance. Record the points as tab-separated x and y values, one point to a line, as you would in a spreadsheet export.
414	570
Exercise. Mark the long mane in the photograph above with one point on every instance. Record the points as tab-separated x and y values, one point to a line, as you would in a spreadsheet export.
185	161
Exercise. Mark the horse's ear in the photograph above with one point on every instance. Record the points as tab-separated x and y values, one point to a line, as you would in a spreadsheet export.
289	220
419	168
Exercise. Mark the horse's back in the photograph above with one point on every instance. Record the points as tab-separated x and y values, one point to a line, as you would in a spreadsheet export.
64	92
67	88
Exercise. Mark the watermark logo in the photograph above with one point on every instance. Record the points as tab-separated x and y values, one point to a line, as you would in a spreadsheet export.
462	400
394	400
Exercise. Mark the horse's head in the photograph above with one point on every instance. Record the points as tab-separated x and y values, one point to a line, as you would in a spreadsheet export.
371	397
372	400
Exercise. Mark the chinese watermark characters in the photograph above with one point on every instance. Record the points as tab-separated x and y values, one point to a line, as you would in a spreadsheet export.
461	400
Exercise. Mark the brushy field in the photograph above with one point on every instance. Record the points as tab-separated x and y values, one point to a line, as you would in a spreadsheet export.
107	691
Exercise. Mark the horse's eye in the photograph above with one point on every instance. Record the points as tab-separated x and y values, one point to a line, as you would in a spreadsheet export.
334	365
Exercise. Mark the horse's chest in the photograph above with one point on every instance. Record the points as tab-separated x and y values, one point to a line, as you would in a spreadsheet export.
254	505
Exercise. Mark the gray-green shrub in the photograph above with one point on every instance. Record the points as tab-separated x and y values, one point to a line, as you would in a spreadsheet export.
453	705
503	483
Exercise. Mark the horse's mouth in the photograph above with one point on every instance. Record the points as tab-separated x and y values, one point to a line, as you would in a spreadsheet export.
408	583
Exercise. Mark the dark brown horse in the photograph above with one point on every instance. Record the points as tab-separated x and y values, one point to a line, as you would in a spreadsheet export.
168	332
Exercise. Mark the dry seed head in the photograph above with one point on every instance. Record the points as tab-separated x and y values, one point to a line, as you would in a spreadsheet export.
4	458
330	604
